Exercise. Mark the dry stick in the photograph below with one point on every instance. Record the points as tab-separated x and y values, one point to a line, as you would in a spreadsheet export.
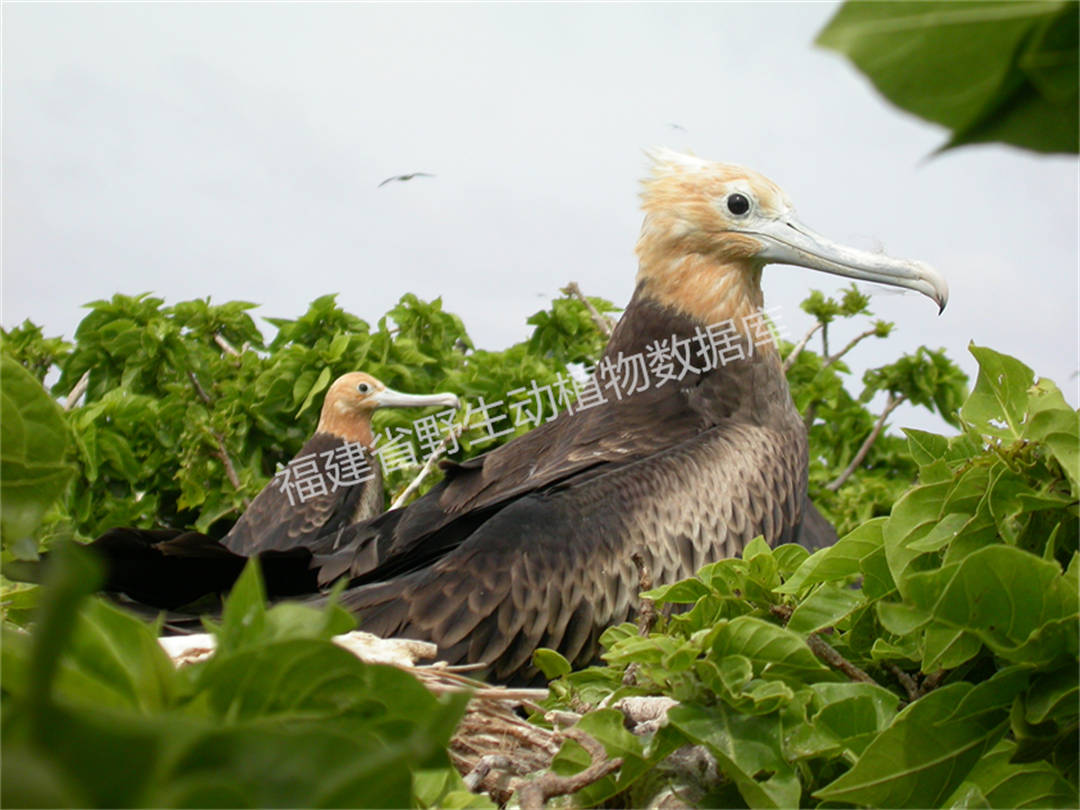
851	345
603	323
532	795
482	768
77	391
429	465
890	406
789	361
221	452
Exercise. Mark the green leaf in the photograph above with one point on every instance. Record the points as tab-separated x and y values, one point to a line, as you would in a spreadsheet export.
33	442
925	448
852	714
824	608
551	663
839	561
999	402
1053	695
321	383
1004	784
918	760
747	749
774	651
989	71
1002	595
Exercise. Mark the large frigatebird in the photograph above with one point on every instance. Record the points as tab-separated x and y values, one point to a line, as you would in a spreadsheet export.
532	544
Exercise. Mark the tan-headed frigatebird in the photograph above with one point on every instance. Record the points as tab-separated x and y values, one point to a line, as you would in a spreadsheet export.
332	482
531	544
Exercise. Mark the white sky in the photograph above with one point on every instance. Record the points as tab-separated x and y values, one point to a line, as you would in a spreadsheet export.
234	151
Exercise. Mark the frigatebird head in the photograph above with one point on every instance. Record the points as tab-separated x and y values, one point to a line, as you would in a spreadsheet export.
738	217
352	397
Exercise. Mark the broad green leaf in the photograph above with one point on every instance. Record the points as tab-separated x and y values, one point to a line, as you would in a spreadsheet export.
942	534
1005	784
947	647
33	442
243	620
551	663
789	557
747	749
853	713
1053	694
839	561
989	71
999	402
824	608
774	651
925	448
999	593
913	517
919	760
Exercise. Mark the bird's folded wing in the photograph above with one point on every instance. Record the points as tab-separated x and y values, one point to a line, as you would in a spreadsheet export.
607	435
285	516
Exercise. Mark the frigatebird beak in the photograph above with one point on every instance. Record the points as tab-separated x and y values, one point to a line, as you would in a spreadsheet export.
787	241
389	398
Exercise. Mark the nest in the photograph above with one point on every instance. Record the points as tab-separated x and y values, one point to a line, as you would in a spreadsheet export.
496	751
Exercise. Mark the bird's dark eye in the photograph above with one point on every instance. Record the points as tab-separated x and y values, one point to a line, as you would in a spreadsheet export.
363	388
738	204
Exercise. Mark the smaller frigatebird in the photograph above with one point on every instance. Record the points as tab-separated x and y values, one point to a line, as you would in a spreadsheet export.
333	481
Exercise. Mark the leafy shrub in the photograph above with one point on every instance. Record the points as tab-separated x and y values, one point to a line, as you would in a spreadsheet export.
949	673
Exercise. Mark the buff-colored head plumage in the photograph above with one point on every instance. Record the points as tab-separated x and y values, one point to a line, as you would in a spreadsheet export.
352	398
693	254
710	228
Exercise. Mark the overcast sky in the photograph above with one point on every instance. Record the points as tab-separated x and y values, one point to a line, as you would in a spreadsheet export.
234	151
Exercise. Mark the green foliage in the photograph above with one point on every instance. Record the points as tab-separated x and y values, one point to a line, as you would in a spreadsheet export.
960	607
172	390
839	423
987	70
34	439
35	352
95	714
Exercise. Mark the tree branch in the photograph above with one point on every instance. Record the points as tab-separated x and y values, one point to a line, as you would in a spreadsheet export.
893	403
851	345
76	392
532	795
830	656
452	435
226	346
823	650
906	681
221	452
603	323
789	361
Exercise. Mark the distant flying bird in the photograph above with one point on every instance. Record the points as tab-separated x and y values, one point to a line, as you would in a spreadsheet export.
678	127
333	481
532	544
403	178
